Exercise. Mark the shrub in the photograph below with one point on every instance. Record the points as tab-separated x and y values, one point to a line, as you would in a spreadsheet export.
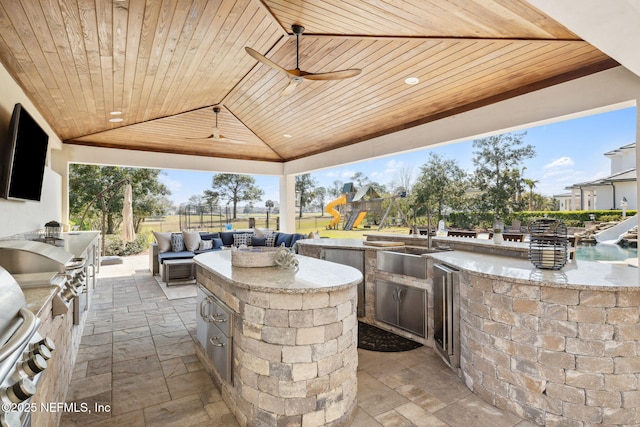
607	218
570	218
114	246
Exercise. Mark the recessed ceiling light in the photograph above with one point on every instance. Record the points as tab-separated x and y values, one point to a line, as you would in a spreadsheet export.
412	80
116	119
286	135
115	113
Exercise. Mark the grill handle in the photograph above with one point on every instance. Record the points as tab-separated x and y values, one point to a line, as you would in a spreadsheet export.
22	335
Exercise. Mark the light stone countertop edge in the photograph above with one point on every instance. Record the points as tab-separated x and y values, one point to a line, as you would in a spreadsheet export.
580	275
313	275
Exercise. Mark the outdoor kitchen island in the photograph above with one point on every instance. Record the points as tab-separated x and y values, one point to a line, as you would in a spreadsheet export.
291	336
557	347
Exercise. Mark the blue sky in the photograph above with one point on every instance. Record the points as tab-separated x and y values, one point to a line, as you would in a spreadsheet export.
566	153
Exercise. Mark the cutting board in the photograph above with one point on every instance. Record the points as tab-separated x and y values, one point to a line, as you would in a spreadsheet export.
382	243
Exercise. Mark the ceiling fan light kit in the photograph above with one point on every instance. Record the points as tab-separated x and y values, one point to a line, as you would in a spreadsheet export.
297	75
215	133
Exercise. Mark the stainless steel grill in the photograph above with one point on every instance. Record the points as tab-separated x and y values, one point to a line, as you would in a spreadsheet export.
23	352
29	257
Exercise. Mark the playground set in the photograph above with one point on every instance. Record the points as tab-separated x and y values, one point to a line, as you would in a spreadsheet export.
356	204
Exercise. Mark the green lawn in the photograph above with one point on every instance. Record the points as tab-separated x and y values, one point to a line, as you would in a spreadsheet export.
307	224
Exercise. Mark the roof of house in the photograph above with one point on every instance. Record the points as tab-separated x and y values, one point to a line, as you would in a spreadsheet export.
623	176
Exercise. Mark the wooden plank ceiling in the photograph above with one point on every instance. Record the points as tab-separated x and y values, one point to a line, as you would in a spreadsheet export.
164	64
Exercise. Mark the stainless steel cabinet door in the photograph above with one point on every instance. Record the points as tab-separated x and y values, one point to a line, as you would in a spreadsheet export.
412	309
386	305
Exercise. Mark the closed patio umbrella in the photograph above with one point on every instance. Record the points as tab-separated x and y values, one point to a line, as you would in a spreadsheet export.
128	234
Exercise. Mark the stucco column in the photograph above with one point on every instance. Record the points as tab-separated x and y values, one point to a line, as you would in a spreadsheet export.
287	203
60	165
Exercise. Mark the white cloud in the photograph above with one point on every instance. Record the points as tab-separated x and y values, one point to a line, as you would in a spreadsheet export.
394	164
562	162
341	174
172	184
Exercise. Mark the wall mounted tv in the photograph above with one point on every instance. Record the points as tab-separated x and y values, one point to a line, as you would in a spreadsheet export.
24	153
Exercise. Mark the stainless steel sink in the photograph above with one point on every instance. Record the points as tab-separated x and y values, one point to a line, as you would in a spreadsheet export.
419	250
407	261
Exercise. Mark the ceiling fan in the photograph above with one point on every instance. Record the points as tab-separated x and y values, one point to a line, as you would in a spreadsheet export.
215	133
297	75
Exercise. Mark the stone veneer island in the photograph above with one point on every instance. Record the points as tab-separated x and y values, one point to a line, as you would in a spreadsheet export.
556	347
294	346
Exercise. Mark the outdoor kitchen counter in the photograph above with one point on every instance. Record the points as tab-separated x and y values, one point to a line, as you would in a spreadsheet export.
347	244
312	276
576	274
475	245
557	347
294	340
39	299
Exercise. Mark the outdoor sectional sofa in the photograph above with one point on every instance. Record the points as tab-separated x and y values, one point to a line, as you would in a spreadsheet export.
186	245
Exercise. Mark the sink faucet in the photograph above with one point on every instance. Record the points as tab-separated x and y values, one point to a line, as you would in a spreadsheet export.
415	225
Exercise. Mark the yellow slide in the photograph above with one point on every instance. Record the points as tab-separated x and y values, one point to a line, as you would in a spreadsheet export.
330	209
361	216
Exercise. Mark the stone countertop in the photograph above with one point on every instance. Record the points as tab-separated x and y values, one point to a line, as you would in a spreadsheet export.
344	244
421	240
78	242
313	275
39	298
576	274
38	289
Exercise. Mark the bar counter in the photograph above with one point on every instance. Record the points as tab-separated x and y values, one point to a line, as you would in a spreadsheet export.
294	340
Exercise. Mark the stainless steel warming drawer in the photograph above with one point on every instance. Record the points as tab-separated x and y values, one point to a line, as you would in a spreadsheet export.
214	331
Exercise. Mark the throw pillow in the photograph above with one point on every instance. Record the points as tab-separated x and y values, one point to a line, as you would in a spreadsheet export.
241	239
270	239
258	241
217	243
191	240
177	242
205	245
163	240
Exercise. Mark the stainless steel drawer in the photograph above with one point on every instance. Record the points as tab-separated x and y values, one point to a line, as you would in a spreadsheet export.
219	351
212	310
221	316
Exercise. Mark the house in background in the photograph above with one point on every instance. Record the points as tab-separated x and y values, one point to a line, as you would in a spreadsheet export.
608	192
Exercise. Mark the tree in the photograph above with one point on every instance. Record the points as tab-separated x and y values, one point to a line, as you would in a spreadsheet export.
497	176
441	183
305	187
336	188
403	180
268	204
236	188
321	196
531	183
86	181
196	204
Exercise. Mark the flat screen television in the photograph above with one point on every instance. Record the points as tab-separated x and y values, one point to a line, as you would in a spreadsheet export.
24	154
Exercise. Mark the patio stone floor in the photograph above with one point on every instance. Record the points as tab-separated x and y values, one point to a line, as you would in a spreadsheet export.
138	355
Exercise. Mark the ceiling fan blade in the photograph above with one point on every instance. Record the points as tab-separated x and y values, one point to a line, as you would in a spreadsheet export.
264	60
290	88
333	75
